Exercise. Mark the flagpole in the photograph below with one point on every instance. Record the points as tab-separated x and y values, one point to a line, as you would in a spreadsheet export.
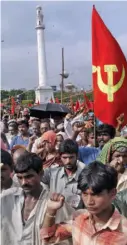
62	76
95	134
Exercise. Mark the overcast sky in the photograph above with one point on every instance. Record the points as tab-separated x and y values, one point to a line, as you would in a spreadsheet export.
68	25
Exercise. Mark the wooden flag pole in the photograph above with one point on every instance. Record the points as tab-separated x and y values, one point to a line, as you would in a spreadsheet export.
95	132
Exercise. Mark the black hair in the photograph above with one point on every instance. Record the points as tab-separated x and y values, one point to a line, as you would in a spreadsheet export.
45	120
15	115
90	131
108	129
23	122
28	161
97	177
6	159
37	123
6	116
68	146
27	116
14	125
36	119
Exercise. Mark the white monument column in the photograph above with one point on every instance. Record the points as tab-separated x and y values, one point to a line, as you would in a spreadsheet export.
44	92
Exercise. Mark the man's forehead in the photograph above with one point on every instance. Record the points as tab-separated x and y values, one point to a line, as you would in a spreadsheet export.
90	191
30	171
43	125
18	152
68	154
22	125
122	151
11	127
104	133
35	126
91	134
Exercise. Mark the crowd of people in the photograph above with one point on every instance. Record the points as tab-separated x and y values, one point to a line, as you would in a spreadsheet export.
63	181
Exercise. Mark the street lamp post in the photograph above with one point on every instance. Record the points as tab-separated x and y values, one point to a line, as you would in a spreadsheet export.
64	74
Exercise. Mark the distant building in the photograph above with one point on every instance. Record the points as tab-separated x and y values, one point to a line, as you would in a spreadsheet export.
70	87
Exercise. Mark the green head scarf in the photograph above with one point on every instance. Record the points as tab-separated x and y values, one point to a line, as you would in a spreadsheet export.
110	147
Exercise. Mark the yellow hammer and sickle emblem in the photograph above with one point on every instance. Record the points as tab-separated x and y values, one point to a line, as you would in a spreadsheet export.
108	88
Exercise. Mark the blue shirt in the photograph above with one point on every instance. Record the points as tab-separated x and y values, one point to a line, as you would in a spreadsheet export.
88	154
18	140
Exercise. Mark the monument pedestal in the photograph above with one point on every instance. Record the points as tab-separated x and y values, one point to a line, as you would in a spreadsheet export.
44	94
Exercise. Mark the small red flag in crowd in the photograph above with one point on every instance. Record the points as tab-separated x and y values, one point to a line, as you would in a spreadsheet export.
109	74
13	104
57	101
71	103
29	105
88	103
77	106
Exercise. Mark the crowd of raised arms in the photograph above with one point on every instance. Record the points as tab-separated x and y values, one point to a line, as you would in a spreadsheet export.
61	186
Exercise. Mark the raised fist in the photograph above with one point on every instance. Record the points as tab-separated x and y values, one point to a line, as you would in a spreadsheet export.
55	202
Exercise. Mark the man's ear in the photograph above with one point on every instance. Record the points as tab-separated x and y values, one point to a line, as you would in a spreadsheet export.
41	173
113	193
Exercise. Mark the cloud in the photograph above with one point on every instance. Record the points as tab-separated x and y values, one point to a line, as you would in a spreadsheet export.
68	25
24	60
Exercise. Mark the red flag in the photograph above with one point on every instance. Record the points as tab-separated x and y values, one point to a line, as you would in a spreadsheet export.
38	103
91	106
77	106
71	103
57	101
13	106
88	103
29	105
109	74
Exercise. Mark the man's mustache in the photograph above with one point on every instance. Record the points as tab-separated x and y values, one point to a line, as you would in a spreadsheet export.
26	186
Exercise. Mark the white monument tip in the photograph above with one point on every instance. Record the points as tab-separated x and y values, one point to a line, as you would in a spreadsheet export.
44	92
38	7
